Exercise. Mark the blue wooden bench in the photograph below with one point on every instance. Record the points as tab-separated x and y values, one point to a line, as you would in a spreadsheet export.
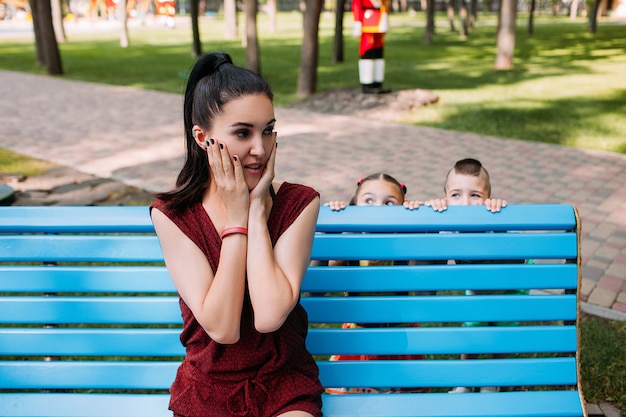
89	319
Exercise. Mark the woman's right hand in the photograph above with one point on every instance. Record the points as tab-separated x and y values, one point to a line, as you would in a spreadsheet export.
227	173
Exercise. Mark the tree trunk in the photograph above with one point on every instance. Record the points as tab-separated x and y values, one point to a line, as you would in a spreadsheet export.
473	13
307	78
271	14
51	55
505	41
338	38
593	17
451	12
196	46
430	22
531	17
230	19
464	19
123	16
252	40
39	58
57	20
573	11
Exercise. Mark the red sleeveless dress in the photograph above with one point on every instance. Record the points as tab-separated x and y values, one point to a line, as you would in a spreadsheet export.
263	374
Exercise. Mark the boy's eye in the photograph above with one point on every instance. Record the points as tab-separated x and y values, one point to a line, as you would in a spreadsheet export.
389	203
369	201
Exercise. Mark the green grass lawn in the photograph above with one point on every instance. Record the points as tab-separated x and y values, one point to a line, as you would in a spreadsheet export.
567	86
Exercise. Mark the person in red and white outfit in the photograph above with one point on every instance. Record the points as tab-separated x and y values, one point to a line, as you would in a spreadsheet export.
371	22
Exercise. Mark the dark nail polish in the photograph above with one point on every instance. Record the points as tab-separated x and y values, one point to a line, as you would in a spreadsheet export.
212	141
235	158
221	146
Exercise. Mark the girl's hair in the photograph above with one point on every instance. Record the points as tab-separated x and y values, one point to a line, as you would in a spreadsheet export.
377	176
213	82
471	167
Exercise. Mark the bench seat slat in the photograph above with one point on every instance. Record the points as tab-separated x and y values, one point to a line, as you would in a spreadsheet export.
373	373
440	277
407	309
524	404
442	340
467	246
391	309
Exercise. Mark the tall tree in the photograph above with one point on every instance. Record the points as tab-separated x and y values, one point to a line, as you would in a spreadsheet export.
123	18
307	78
253	62
463	15
531	17
230	19
48	45
593	16
39	58
505	39
272	11
430	22
451	9
473	13
194	7
57	20
338	38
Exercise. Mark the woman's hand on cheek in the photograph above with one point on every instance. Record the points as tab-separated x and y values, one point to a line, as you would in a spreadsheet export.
262	188
227	173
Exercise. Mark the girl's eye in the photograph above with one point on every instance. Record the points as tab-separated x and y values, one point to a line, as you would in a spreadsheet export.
269	131
369	201
390	203
242	134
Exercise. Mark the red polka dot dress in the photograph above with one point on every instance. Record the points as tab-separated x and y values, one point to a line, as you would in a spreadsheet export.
263	374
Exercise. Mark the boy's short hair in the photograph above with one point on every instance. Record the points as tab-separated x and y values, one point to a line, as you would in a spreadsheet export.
471	167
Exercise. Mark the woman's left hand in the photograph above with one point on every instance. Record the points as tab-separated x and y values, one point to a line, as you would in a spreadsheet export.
261	190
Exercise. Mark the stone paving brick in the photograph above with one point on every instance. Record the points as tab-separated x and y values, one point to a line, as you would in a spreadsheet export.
602	297
612	283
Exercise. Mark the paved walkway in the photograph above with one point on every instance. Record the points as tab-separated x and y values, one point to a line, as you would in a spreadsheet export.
134	136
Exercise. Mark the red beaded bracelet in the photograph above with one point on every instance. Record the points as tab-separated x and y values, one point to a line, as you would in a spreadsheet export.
234	230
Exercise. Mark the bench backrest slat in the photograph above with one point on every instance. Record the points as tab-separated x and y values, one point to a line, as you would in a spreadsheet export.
465	246
321	341
403	373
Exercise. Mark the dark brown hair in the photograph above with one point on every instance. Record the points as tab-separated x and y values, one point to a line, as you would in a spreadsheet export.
377	176
471	167
213	82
